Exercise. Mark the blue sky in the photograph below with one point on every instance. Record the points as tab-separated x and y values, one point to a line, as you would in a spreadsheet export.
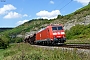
16	12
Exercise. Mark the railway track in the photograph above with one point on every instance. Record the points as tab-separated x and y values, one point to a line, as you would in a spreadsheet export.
78	46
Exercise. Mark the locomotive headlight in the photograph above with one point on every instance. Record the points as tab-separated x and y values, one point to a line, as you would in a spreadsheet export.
54	33
62	32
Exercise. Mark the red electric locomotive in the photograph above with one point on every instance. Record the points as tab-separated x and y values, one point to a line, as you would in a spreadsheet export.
50	35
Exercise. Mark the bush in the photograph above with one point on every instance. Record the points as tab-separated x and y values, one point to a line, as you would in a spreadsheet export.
78	31
18	40
4	42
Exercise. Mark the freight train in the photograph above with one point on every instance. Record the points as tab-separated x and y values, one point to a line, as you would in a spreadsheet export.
51	34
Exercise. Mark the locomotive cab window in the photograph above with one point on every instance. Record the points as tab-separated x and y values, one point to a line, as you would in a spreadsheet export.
57	28
54	28
60	28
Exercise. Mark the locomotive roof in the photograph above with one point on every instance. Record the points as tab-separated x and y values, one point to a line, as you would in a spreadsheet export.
49	26
41	29
56	25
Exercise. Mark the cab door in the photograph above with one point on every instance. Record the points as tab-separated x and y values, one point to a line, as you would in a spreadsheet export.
48	33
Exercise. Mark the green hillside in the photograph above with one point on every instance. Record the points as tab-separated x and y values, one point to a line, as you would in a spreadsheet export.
36	24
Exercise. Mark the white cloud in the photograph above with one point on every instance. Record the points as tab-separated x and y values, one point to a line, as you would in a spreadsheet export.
6	8
25	15
52	2
48	15
12	15
84	2
21	22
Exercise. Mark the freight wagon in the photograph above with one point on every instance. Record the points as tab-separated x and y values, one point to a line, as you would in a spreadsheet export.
51	34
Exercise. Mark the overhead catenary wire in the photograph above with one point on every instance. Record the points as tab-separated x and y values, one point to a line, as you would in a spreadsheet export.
59	4
66	4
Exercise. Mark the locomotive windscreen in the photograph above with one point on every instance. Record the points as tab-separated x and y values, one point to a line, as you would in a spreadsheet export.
57	28
60	28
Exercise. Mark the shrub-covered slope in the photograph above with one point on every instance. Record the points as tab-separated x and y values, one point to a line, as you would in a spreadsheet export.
78	31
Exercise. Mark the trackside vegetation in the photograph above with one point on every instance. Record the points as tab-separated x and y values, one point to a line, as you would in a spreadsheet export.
23	51
78	31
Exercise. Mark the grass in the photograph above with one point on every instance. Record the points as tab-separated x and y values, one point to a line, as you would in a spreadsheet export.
23	51
78	41
1	53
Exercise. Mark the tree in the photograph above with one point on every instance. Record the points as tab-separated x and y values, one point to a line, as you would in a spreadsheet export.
4	42
59	16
